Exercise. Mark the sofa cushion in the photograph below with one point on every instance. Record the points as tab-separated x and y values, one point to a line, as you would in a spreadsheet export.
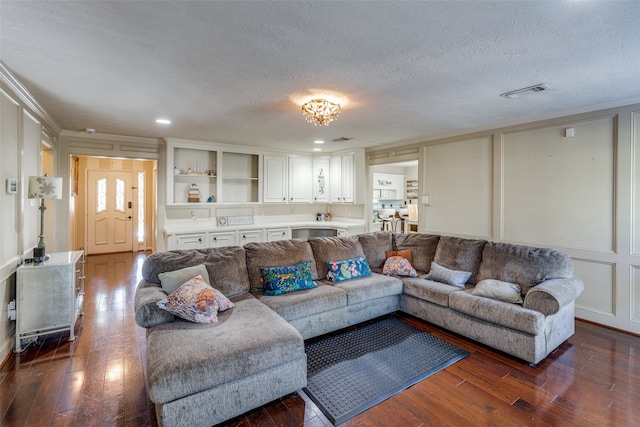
172	280
226	266
429	290
369	288
276	254
375	246
327	249
398	266
448	276
524	265
497	289
498	312
305	303
348	269
423	248
185	358
457	253
291	278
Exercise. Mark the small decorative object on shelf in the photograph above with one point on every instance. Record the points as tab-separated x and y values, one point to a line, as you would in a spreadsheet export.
211	199
177	171
194	193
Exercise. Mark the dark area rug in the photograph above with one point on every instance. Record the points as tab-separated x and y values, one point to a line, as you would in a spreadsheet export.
355	370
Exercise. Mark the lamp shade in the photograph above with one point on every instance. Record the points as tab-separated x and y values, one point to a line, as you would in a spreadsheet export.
45	187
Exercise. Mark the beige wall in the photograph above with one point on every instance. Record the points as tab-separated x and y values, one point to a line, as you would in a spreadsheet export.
529	184
23	127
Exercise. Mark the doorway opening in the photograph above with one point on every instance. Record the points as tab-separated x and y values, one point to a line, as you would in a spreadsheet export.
395	196
113	204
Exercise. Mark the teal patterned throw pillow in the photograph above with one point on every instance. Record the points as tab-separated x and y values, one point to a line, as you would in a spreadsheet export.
281	280
348	269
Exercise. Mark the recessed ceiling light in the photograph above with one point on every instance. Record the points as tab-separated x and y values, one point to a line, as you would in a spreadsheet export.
317	149
318	141
163	121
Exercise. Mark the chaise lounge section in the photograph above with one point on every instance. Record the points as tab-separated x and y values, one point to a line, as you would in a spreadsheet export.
203	374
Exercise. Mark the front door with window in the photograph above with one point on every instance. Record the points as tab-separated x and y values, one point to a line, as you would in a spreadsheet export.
109	212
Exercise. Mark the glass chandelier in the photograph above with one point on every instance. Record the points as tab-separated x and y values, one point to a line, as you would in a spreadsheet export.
320	111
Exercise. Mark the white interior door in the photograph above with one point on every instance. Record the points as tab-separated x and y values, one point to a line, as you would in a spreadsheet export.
109	212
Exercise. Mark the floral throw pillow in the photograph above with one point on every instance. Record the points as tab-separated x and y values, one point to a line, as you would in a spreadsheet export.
445	275
348	269
398	266
194	301
282	280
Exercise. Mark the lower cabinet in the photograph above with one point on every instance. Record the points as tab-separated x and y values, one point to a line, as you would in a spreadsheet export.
223	238
247	236
188	241
274	234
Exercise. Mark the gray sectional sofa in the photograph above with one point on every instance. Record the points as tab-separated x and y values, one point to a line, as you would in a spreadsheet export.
201	375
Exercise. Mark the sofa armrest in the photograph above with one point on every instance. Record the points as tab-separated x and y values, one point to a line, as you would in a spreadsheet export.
551	295
148	313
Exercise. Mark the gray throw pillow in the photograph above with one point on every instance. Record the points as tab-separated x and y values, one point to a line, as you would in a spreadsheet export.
497	289
172	280
450	277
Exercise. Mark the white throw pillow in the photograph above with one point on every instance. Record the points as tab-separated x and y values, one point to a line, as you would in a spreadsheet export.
172	280
448	276
497	289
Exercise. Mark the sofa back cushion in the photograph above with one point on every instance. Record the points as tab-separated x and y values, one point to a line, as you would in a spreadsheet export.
423	248
327	249
375	245
460	254
280	253
524	265
226	266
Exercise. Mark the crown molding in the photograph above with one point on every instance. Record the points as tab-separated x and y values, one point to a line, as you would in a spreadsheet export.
12	82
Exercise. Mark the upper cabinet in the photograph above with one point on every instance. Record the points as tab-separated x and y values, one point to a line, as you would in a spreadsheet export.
287	179
300	175
388	186
200	172
275	179
342	178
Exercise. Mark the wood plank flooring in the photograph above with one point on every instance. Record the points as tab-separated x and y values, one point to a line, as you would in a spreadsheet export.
591	380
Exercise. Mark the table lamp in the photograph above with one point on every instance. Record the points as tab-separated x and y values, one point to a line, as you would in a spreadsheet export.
43	187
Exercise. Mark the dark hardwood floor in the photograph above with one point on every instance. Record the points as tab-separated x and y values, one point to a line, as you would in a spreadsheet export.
591	380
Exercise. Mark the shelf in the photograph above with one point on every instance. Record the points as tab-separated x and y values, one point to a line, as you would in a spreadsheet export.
182	175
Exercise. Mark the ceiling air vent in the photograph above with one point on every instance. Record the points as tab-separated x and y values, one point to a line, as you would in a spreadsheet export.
516	93
342	139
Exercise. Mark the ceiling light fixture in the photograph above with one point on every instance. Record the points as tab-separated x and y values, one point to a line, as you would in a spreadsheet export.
320	111
163	121
318	141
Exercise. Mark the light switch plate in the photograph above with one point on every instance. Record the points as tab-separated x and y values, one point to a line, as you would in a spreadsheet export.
426	200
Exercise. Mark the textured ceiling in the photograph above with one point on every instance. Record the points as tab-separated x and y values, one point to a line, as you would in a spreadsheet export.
237	72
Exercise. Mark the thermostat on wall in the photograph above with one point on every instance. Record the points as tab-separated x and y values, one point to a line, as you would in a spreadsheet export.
12	185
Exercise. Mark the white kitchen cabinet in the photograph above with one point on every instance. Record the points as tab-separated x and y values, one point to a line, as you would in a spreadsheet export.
188	241
222	238
300	176
247	236
49	296
287	179
342	178
275	179
320	179
274	234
